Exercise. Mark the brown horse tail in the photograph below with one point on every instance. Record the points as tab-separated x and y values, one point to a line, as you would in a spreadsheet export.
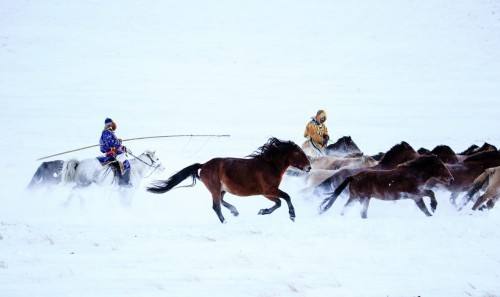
328	202
163	186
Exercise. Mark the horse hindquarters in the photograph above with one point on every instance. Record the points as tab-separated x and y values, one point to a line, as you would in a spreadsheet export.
47	172
86	172
328	202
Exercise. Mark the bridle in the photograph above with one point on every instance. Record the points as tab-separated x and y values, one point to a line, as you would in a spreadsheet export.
152	165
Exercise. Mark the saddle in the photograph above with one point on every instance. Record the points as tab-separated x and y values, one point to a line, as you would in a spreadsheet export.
114	166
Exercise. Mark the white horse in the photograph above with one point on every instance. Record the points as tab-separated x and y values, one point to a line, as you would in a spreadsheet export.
90	171
312	150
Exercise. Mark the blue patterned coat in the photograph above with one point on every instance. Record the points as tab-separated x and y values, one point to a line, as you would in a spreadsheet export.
110	144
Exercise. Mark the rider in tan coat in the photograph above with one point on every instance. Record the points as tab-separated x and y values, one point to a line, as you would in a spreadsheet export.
316	132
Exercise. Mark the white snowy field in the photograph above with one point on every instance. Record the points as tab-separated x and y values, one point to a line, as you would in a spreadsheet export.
427	72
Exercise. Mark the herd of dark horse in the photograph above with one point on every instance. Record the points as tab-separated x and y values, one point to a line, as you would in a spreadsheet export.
400	173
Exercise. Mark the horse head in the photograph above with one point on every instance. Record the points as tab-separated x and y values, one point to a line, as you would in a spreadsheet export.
297	158
150	159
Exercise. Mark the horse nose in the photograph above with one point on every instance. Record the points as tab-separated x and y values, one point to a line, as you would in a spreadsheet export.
307	168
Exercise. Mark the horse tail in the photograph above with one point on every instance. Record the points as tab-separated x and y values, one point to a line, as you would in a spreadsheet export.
328	202
69	170
37	178
163	186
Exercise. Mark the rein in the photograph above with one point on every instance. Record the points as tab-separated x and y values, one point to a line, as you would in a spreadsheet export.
140	160
149	165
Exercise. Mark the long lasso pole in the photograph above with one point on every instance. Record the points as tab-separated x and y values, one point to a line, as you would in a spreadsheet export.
136	138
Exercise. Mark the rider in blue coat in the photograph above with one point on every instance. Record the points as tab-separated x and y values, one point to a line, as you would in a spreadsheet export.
112	147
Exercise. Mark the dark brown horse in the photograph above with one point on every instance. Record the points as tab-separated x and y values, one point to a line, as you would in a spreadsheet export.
259	174
378	156
423	151
398	154
443	152
470	150
405	181
467	171
343	146
474	149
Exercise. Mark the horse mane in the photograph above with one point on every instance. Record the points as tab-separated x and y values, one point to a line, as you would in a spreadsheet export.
344	143
483	156
378	156
470	150
486	147
421	163
423	151
395	151
445	153
273	149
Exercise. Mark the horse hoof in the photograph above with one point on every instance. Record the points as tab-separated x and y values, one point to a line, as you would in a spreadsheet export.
292	218
236	214
263	211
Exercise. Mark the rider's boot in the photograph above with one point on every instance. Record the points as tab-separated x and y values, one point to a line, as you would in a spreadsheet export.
124	179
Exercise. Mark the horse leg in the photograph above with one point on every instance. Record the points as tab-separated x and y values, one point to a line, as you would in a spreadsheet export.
453	198
266	211
231	207
216	207
430	194
485	197
491	203
364	209
216	201
421	205
347	204
291	209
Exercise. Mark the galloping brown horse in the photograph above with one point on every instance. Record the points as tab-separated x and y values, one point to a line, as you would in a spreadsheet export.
474	149
405	181
259	174
399	153
446	154
467	171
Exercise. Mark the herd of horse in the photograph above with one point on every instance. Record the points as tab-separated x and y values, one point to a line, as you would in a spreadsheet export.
400	173
403	172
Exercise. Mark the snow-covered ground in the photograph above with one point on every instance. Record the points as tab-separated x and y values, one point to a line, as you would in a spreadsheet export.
427	72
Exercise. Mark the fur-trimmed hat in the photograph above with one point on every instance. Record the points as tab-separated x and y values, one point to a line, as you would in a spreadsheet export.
321	112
